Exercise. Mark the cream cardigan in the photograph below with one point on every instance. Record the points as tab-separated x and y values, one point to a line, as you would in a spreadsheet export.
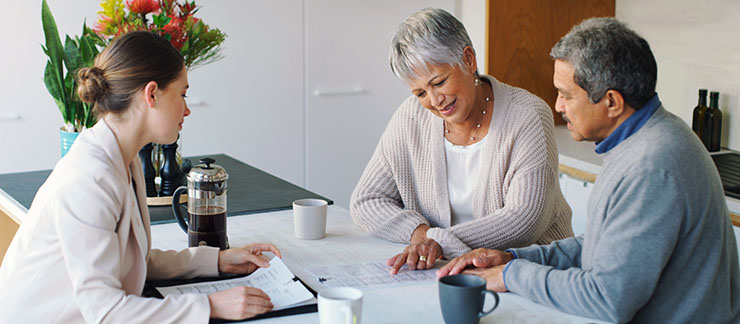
517	201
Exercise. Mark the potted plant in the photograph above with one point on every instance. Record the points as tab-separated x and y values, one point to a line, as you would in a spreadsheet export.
59	74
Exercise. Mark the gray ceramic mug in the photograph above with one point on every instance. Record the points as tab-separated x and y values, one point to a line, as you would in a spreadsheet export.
461	298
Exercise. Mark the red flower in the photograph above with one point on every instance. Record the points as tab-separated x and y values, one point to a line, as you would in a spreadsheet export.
187	8
103	25
167	6
143	6
175	29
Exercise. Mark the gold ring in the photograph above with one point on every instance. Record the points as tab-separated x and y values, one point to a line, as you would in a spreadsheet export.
423	258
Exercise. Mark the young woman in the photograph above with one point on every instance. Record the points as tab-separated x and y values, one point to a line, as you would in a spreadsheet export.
84	251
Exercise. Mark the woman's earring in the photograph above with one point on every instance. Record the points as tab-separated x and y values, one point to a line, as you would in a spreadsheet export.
477	82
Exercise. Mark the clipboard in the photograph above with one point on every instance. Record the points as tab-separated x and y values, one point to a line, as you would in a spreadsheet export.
150	290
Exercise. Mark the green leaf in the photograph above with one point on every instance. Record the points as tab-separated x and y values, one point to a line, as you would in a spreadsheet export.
89	115
87	49
198	28
185	47
161	20
72	57
55	88
90	34
54	48
69	86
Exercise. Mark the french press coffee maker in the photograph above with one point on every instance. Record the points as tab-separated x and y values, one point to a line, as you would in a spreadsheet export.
206	205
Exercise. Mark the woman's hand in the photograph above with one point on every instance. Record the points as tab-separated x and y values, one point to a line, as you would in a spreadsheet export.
245	259
239	303
420	256
479	258
494	277
417	256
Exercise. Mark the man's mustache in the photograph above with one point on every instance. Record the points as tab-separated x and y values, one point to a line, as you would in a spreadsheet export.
565	118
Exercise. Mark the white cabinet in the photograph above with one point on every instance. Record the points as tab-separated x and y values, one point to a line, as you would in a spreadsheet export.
576	193
351	92
251	101
737	238
303	92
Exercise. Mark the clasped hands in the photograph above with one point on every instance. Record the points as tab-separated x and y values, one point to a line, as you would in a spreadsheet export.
242	302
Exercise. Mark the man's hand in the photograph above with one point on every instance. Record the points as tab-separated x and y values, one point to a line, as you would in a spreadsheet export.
494	277
479	258
245	259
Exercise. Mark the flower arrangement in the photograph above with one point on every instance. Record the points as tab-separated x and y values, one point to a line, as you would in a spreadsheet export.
197	42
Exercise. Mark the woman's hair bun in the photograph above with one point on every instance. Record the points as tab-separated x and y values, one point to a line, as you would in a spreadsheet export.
91	84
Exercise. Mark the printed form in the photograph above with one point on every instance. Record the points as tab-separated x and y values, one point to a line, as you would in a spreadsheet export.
370	276
276	281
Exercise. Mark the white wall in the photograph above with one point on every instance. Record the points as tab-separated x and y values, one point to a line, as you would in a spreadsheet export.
249	105
250	102
29	119
697	45
472	13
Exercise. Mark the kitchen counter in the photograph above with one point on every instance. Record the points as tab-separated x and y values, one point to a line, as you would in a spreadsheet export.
250	191
579	160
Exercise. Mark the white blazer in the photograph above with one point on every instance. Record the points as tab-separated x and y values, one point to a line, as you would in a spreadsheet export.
82	253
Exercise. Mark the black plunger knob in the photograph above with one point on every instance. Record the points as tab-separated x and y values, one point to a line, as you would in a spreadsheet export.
170	172
145	154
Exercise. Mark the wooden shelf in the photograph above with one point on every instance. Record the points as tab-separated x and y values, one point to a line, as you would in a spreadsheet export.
164	201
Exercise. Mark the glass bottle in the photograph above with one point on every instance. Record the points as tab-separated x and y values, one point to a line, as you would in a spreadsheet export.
698	120
713	123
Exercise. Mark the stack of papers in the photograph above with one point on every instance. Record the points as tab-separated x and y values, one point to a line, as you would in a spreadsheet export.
277	281
371	275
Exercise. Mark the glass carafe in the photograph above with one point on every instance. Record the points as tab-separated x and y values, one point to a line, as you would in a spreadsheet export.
206	191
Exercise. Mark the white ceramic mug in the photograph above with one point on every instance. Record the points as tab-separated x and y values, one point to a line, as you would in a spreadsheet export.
309	218
341	305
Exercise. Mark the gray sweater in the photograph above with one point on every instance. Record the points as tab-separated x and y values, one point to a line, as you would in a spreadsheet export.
517	201
658	246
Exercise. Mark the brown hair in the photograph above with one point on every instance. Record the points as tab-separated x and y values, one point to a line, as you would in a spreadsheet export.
126	66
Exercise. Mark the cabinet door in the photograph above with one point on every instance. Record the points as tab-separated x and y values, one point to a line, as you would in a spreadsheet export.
521	33
737	237
351	92
576	194
249	104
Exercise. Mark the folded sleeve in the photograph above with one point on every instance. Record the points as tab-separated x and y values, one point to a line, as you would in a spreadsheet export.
192	262
376	204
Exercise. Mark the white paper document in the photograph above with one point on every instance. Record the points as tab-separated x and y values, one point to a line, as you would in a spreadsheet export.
370	276
276	281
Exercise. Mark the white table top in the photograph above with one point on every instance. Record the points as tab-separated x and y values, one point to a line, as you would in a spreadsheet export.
346	243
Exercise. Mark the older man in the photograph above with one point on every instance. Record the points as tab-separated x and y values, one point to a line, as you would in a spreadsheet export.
658	246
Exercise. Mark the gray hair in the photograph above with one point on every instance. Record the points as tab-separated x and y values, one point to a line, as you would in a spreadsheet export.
606	56
428	37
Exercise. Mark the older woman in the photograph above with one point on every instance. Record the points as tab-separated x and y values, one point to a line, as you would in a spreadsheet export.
84	249
465	162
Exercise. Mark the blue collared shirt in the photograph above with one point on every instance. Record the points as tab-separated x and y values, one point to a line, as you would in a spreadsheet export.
629	126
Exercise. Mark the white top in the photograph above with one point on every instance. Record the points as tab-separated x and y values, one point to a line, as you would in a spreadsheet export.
463	171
